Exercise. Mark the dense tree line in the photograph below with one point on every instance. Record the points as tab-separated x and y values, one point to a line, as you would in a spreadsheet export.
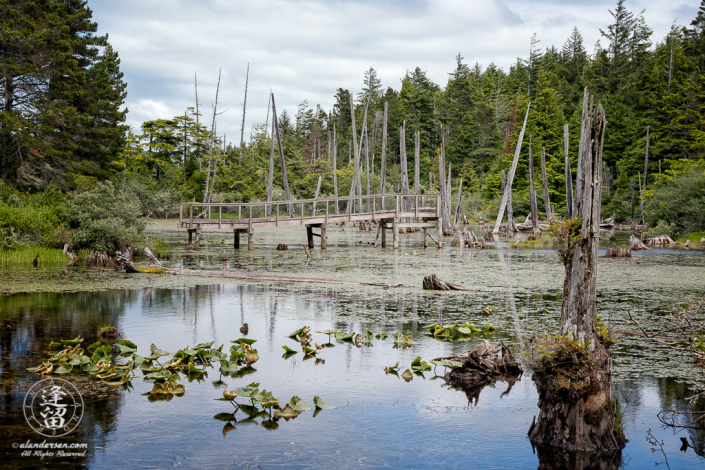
62	120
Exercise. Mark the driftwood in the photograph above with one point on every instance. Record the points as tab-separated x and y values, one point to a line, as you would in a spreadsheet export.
635	244
260	277
487	363
123	257
608	223
433	282
153	261
618	252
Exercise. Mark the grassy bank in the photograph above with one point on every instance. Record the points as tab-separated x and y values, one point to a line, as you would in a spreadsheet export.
24	256
693	237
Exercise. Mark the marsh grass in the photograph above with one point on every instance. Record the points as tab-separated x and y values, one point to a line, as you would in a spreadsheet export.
693	237
25	255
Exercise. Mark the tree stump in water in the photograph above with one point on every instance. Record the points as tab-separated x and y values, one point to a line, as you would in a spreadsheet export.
661	240
123	257
573	370
635	244
483	365
282	247
101	260
433	282
618	252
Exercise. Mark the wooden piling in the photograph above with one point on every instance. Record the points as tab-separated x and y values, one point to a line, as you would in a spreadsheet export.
323	237
425	237
384	234
309	236
236	239
395	233
439	228
250	240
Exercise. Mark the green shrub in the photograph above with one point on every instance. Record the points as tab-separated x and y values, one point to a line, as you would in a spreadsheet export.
678	199
106	218
663	228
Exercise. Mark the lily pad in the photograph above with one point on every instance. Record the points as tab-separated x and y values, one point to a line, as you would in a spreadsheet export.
248	341
407	375
286	412
298	404
381	336
289	350
319	403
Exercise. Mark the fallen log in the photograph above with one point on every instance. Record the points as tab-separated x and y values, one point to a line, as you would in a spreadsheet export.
153	261
433	282
487	363
260	277
608	223
618	252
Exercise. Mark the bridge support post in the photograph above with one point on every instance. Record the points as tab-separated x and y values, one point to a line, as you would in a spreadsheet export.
250	239
384	234
236	239
323	236
309	237
395	233
425	237
439	226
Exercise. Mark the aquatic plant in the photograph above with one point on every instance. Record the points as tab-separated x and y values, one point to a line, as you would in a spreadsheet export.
25	255
402	339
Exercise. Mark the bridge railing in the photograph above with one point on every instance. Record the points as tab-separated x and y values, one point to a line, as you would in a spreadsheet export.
374	205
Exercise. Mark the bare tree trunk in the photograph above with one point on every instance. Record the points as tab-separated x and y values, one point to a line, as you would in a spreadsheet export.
354	148
511	225
512	170
546	201
442	174
404	170
335	169
456	218
270	182
532	192
575	395
198	126
244	106
568	176
383	161
445	205
212	137
285	179
646	172
367	161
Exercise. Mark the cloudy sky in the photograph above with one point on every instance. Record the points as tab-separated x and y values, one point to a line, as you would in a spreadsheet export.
305	50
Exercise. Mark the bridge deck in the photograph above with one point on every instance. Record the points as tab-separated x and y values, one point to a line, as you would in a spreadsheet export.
307	212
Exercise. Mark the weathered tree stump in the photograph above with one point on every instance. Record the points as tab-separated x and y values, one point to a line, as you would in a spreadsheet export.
635	244
123	258
101	260
661	240
618	252
485	364
433	282
573	370
282	247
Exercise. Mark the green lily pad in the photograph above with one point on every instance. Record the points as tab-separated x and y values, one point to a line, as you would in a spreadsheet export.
381	336
204	345
289	350
319	403
244	341
298	404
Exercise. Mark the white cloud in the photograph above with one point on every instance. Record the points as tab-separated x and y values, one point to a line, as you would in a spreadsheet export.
307	49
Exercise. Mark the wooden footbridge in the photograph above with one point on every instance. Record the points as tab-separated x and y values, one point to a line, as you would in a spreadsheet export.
389	211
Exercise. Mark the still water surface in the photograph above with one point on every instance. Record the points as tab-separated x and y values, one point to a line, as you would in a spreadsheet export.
380	420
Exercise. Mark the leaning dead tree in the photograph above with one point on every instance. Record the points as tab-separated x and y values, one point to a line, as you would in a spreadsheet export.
573	371
510	176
